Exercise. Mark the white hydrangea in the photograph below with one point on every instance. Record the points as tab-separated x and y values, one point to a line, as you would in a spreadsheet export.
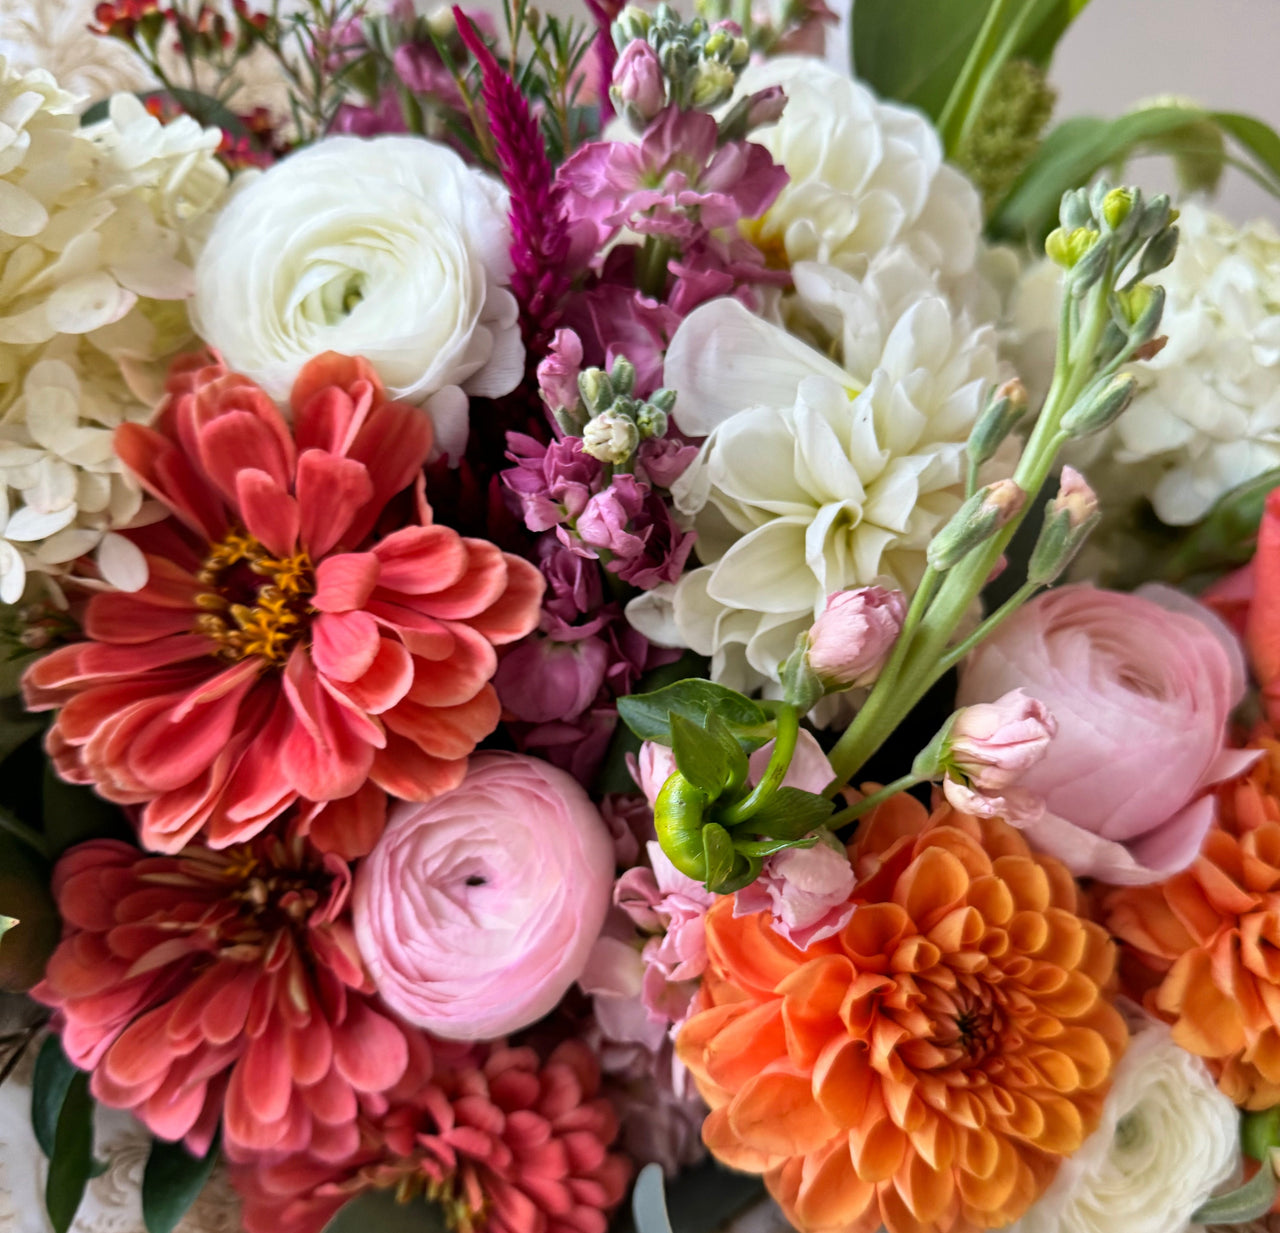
864	176
96	232
815	474
1168	1138
1207	414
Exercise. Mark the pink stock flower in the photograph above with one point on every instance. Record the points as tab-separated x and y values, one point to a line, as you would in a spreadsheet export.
558	370
635	525
221	985
663	460
540	679
613	319
639	86
384	116
279	651
554	482
503	1142
476	911
990	748
1142	687
806	889
676	182
852	638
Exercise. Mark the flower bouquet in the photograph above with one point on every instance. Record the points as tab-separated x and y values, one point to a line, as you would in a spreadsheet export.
591	599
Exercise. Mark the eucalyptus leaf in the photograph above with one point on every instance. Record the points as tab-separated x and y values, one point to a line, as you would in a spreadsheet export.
647	715
172	1181
71	1163
377	1211
649	1202
1245	1203
789	813
49	1085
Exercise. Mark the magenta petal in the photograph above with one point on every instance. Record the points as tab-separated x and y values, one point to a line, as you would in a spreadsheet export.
344	644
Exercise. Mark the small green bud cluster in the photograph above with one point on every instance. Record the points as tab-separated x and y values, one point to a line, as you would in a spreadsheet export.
984	514
700	61
610	420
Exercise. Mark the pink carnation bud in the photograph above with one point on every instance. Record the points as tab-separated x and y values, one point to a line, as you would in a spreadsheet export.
638	81
851	640
990	747
1075	497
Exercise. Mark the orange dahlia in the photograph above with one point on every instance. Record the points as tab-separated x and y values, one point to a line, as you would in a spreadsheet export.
1207	941
928	1067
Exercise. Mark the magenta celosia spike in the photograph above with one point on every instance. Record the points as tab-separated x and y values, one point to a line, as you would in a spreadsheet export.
606	53
539	233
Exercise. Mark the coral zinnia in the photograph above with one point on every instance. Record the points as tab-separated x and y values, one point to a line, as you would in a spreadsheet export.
220	984
929	1066
279	651
1209	935
503	1142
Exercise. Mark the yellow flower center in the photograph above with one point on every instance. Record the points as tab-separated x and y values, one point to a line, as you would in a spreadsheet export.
254	603
769	240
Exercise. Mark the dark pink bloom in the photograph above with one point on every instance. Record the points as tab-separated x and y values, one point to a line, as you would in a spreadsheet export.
663	460
604	520
385	116
221	985
540	680
554	482
614	319
677	182
280	652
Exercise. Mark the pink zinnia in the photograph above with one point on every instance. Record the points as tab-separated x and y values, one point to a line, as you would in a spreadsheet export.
280	651
504	1143
224	985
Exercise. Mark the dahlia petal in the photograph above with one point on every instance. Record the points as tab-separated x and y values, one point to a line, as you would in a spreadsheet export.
833	1196
420	561
774	1112
481	586
447	731
344	582
843	1081
344	644
406	771
878	1148
172	1114
331	492
745	1045
270	514
515	613
369	1051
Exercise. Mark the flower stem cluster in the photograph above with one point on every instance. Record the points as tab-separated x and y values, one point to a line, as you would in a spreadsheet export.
1109	242
611	421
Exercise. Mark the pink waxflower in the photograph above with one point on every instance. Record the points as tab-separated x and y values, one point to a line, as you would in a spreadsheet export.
476	912
282	652
1142	687
677	182
851	640
558	370
806	889
221	986
990	747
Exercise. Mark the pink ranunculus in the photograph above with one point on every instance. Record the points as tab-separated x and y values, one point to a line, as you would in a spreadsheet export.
806	889
476	912
990	749
852	638
1142	687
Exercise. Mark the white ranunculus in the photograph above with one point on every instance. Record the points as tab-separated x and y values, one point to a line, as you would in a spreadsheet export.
865	176
1168	1138
814	475
390	248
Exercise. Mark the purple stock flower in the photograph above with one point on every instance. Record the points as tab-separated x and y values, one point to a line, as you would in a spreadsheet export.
552	482
663	460
574	587
539	680
635	525
385	116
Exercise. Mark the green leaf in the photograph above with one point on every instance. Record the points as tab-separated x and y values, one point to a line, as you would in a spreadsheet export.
1227	535
789	813
767	847
709	758
17	725
648	715
722	734
172	1181
200	107
376	1211
1260	1133
71	1163
49	1085
701	1199
717	847
1245	1203
73	814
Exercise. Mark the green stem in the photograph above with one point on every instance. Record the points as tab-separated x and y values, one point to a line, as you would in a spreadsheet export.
651	266
784	748
858	808
959	101
28	835
987	628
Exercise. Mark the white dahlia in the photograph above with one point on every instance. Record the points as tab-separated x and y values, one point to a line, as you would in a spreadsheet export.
817	473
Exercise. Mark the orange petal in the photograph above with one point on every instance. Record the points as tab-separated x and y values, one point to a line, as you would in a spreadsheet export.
775	1113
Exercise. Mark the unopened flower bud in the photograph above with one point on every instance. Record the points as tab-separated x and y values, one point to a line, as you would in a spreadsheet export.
1066	248
596	389
765	106
652	421
1100	406
1075	210
632	23
850	642
623	375
611	438
713	83
1068	519
1116	206
639	88
1006	406
977	520
558	370
1148	311
1159	252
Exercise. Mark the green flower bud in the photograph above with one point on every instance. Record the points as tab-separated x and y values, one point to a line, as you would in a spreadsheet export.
1159	252
1006	406
651	421
1116	206
1068	519
713	84
1066	248
596	389
623	375
1100	406
976	521
631	23
1074	211
664	400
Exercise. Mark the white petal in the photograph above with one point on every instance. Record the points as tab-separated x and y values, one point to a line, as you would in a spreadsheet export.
122	563
13	574
67	544
29	524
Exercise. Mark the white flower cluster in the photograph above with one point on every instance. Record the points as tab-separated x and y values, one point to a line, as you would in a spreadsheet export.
96	226
1207	414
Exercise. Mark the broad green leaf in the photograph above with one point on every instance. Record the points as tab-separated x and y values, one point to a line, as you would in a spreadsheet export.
1227	535
720	731
1245	1203
49	1085
717	846
376	1211
71	1163
172	1181
699	757
647	715
1260	1133
789	813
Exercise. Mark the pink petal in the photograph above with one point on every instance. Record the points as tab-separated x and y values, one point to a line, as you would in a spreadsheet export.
460	676
345	582
479	588
369	1051
239	441
344	644
387	680
166	474
270	513
331	492
516	612
323	757
421	560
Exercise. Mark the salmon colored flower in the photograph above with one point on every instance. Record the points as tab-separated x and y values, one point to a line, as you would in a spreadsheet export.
280	651
927	1068
1207	938
226	985
504	1142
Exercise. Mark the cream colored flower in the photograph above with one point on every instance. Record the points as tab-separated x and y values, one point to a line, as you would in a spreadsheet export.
393	249
1167	1140
814	475
865	176
96	230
